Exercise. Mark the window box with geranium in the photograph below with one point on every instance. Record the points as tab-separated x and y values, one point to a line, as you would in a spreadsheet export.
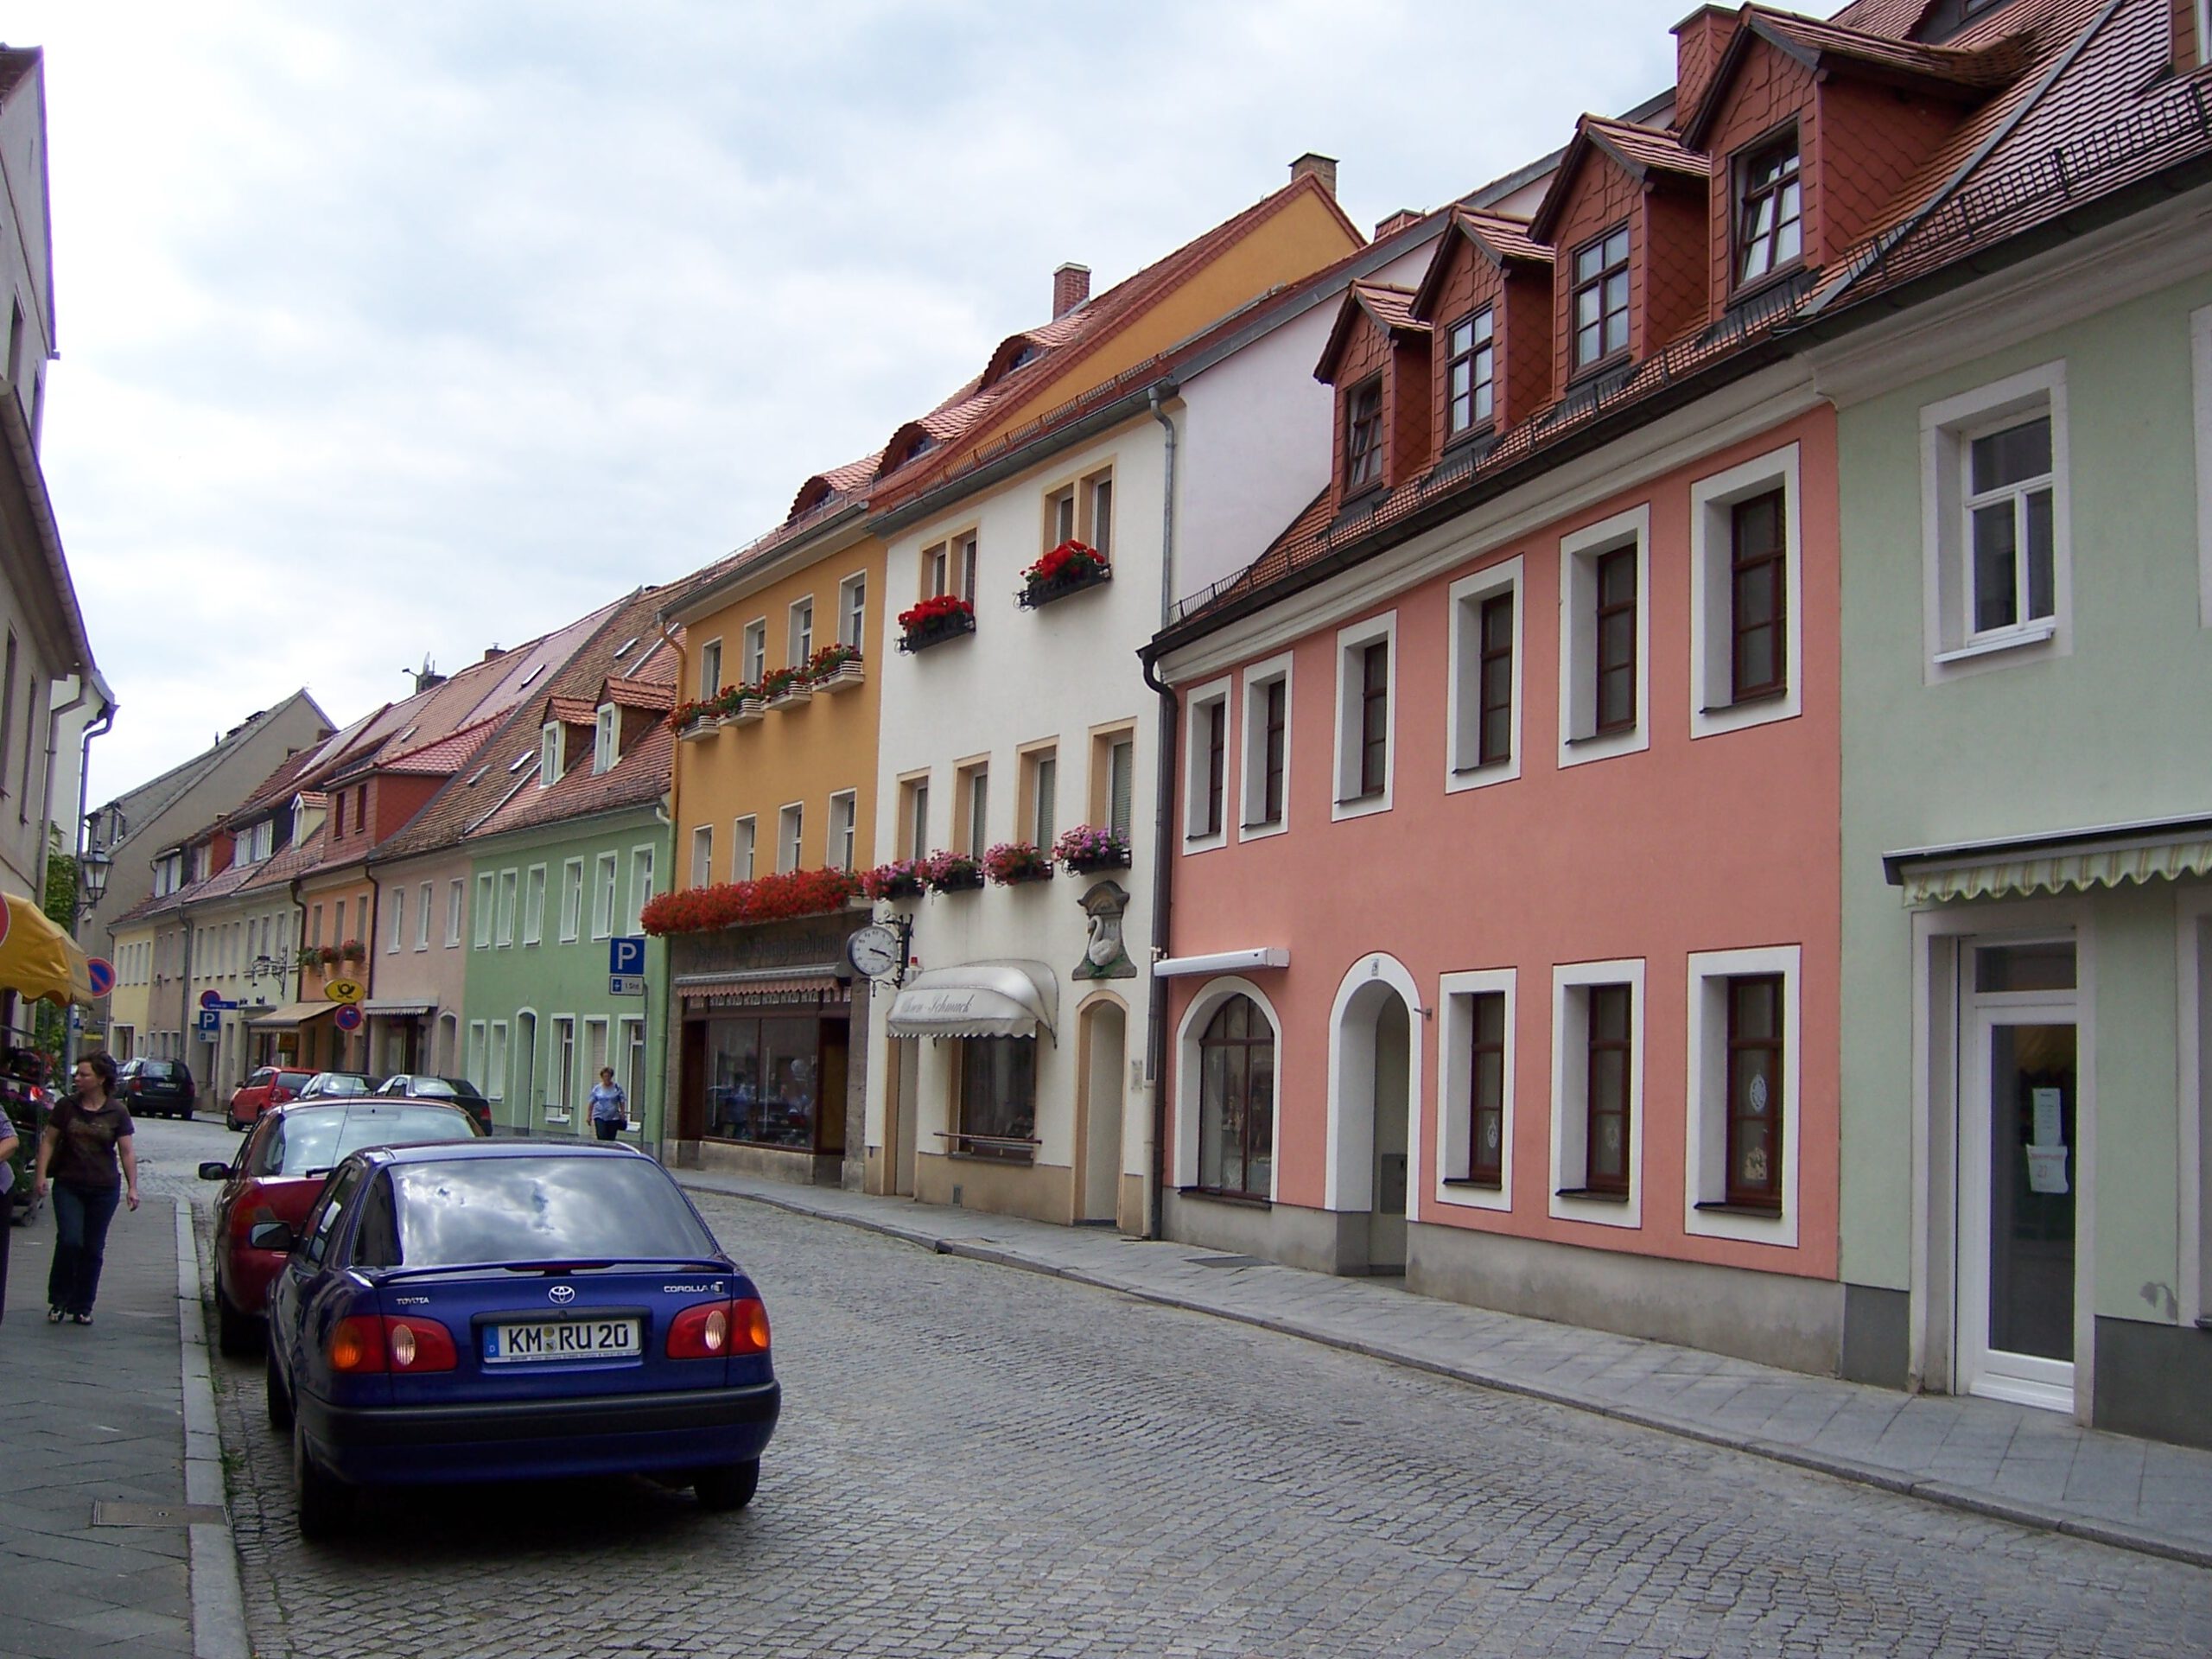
935	619
835	668
693	718
902	878
785	688
327	956
1091	847
951	873
780	896
1068	569
308	956
353	950
1013	861
741	705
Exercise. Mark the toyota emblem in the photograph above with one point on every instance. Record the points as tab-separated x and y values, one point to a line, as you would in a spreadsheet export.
563	1293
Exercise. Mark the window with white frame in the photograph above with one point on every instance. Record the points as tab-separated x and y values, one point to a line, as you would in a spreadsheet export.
948	567
641	888
456	902
754	660
605	871
845	809
1597	1130
398	938
606	738
533	904
852	611
423	900
572	898
1746	649
1482	713
495	1065
710	668
1470	380
744	848
561	1066
790	833
510	882
551	740
487	908
474	1068
1996	539
1605	638
1206	767
631	1067
1366	695
702	855
1264	804
801	631
1744	1128
1236	1100
1475	1075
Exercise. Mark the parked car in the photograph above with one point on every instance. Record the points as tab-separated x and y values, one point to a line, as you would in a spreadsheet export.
325	1085
157	1088
24	1094
266	1086
278	1170
459	1090
509	1310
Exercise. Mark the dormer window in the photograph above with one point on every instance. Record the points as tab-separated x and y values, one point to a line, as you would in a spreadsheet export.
607	739
550	763
1601	298
1364	436
1470	378
1769	229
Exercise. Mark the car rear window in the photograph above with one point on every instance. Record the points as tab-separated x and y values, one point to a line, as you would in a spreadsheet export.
294	1080
305	1141
481	1211
343	1083
166	1068
430	1087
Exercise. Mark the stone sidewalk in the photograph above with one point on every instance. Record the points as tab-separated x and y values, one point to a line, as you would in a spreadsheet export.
2034	1468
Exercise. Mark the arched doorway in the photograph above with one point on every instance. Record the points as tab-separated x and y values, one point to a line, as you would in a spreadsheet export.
1102	1048
1373	1083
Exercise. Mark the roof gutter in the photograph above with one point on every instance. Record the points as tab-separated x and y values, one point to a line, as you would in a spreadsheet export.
2192	174
701	600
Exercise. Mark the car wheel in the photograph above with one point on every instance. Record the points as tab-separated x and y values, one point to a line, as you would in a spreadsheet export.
236	1334
726	1487
280	1403
186	1114
325	1502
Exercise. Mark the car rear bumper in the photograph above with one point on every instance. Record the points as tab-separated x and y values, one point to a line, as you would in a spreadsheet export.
387	1446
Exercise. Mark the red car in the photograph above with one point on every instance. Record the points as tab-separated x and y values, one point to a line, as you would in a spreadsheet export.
268	1086
277	1176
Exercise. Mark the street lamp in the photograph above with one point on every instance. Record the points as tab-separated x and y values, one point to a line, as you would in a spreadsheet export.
94	866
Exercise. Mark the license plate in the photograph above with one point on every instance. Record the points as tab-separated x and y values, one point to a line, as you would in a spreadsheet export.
543	1339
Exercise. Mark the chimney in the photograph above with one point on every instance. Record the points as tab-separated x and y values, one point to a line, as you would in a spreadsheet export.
1071	288
492	653
1397	222
1323	167
1700	39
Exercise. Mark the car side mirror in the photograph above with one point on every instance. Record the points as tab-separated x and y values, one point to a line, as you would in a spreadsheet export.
271	1235
213	1172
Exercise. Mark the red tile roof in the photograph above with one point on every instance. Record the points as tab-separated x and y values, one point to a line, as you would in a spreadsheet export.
1386	306
1502	241
1640	151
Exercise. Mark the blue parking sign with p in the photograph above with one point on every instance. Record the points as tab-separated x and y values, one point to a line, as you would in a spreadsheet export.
626	954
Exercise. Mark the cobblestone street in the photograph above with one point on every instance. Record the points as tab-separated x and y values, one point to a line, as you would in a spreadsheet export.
975	1460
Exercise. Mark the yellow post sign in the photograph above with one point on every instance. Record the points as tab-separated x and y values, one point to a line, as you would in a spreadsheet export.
344	990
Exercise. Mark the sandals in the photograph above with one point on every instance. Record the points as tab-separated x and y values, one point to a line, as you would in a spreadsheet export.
80	1318
53	1316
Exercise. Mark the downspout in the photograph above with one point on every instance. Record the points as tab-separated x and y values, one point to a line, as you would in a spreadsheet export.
671	1020
1163	875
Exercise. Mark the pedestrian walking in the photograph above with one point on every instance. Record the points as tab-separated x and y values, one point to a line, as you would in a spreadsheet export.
87	1149
610	1107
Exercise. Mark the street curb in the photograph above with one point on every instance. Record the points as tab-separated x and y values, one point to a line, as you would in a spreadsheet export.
218	1602
2033	1516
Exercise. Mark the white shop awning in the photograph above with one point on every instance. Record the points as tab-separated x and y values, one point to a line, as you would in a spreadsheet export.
2016	866
1225	961
290	1014
388	1008
980	999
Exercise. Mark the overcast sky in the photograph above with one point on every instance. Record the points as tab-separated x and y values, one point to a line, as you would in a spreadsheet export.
401	328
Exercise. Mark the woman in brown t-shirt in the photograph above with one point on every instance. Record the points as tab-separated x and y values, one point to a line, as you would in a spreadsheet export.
86	1145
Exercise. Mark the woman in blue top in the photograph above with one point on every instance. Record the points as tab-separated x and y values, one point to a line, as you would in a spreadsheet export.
610	1107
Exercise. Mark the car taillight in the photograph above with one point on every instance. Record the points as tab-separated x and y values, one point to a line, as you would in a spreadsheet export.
365	1344
715	1330
137	1086
278	1095
748	1326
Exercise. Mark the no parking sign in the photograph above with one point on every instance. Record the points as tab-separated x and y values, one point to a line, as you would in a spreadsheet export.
348	1017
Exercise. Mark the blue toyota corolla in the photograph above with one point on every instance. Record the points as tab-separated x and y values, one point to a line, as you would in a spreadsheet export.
509	1310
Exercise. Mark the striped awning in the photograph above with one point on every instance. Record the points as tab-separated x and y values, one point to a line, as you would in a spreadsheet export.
746	988
2074	860
290	1014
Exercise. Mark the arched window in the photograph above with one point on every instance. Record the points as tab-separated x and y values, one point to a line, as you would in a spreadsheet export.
1236	1100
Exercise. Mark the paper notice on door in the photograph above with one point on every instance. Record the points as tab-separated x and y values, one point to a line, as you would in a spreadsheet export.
2050	1130
2046	1169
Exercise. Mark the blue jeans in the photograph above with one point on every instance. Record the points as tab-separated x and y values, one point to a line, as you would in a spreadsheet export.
80	1218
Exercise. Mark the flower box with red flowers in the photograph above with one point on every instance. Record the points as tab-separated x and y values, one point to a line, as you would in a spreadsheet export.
695	718
1089	847
1068	569
935	619
835	668
951	873
1012	861
741	705
901	879
784	688
777	898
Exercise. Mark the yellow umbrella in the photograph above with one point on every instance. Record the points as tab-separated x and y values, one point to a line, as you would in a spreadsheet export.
37	959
